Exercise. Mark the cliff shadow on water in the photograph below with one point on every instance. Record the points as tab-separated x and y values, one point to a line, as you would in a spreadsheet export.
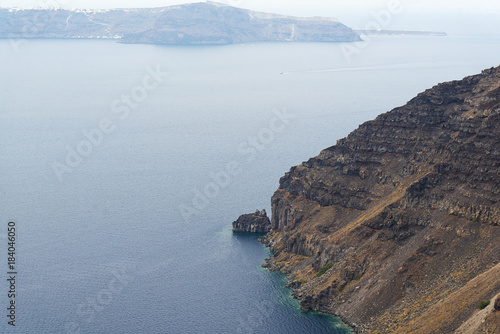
278	306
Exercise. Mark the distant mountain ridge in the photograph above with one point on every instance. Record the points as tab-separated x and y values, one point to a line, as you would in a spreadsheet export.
194	23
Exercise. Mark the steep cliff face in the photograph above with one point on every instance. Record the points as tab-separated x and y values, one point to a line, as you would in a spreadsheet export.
403	215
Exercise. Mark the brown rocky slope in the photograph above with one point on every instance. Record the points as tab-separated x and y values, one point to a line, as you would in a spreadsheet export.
396	229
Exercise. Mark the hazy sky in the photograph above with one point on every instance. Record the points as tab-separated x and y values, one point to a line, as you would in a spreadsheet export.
283	5
452	16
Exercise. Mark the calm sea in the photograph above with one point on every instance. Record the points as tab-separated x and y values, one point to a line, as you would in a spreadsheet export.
123	167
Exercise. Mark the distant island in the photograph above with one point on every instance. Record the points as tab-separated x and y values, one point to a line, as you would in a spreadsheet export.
400	33
195	23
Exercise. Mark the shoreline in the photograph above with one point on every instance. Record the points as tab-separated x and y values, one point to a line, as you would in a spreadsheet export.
264	241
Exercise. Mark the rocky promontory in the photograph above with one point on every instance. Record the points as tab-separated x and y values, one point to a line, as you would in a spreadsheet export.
396	228
257	222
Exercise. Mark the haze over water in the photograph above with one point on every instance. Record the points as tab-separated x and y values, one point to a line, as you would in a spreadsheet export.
106	249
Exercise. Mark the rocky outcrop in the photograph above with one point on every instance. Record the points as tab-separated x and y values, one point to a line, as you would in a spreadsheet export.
195	23
497	304
404	212
257	222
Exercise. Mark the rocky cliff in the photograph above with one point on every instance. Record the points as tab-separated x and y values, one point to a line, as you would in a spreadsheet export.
396	228
195	23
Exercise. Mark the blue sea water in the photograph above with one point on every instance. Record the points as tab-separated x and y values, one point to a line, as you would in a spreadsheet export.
132	234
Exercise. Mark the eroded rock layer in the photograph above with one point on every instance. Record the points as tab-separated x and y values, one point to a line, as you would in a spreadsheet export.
396	228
